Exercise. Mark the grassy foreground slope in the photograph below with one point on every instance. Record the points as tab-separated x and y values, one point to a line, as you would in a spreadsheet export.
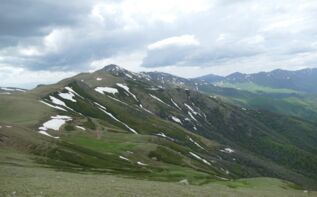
21	177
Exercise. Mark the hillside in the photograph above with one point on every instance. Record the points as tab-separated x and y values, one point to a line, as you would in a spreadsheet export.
135	125
287	92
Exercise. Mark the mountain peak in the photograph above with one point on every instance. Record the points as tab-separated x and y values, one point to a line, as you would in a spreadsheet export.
112	67
235	74
210	78
118	71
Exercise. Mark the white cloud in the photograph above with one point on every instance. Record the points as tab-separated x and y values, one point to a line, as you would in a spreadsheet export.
257	39
20	77
183	40
131	61
30	51
132	15
53	42
177	36
57	39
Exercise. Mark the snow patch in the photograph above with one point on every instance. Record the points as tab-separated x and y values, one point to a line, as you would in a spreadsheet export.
128	75
124	158
153	88
141	106
161	134
117	100
98	79
45	133
126	88
68	96
227	150
158	99
103	109
101	106
82	128
59	102
72	91
55	123
53	106
199	158
141	164
109	90
175	119
193	141
175	104
192	117
191	109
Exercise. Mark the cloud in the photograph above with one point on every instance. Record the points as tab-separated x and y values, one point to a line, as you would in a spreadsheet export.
266	37
14	77
130	61
184	40
21	18
177	36
186	50
170	51
137	13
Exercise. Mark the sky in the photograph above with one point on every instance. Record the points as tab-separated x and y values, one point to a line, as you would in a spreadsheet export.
44	41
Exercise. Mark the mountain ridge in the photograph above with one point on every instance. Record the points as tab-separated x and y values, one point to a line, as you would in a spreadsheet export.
168	127
299	80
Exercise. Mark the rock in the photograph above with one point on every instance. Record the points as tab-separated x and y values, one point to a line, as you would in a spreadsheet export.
184	182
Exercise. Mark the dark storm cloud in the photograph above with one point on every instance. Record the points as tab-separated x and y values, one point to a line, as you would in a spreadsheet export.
28	24
36	17
80	52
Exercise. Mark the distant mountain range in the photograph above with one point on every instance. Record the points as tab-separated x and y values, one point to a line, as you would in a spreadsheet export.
304	80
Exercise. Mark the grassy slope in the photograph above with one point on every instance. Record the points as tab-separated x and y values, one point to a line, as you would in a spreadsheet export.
22	109
99	150
252	87
282	101
225	118
246	130
21	177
